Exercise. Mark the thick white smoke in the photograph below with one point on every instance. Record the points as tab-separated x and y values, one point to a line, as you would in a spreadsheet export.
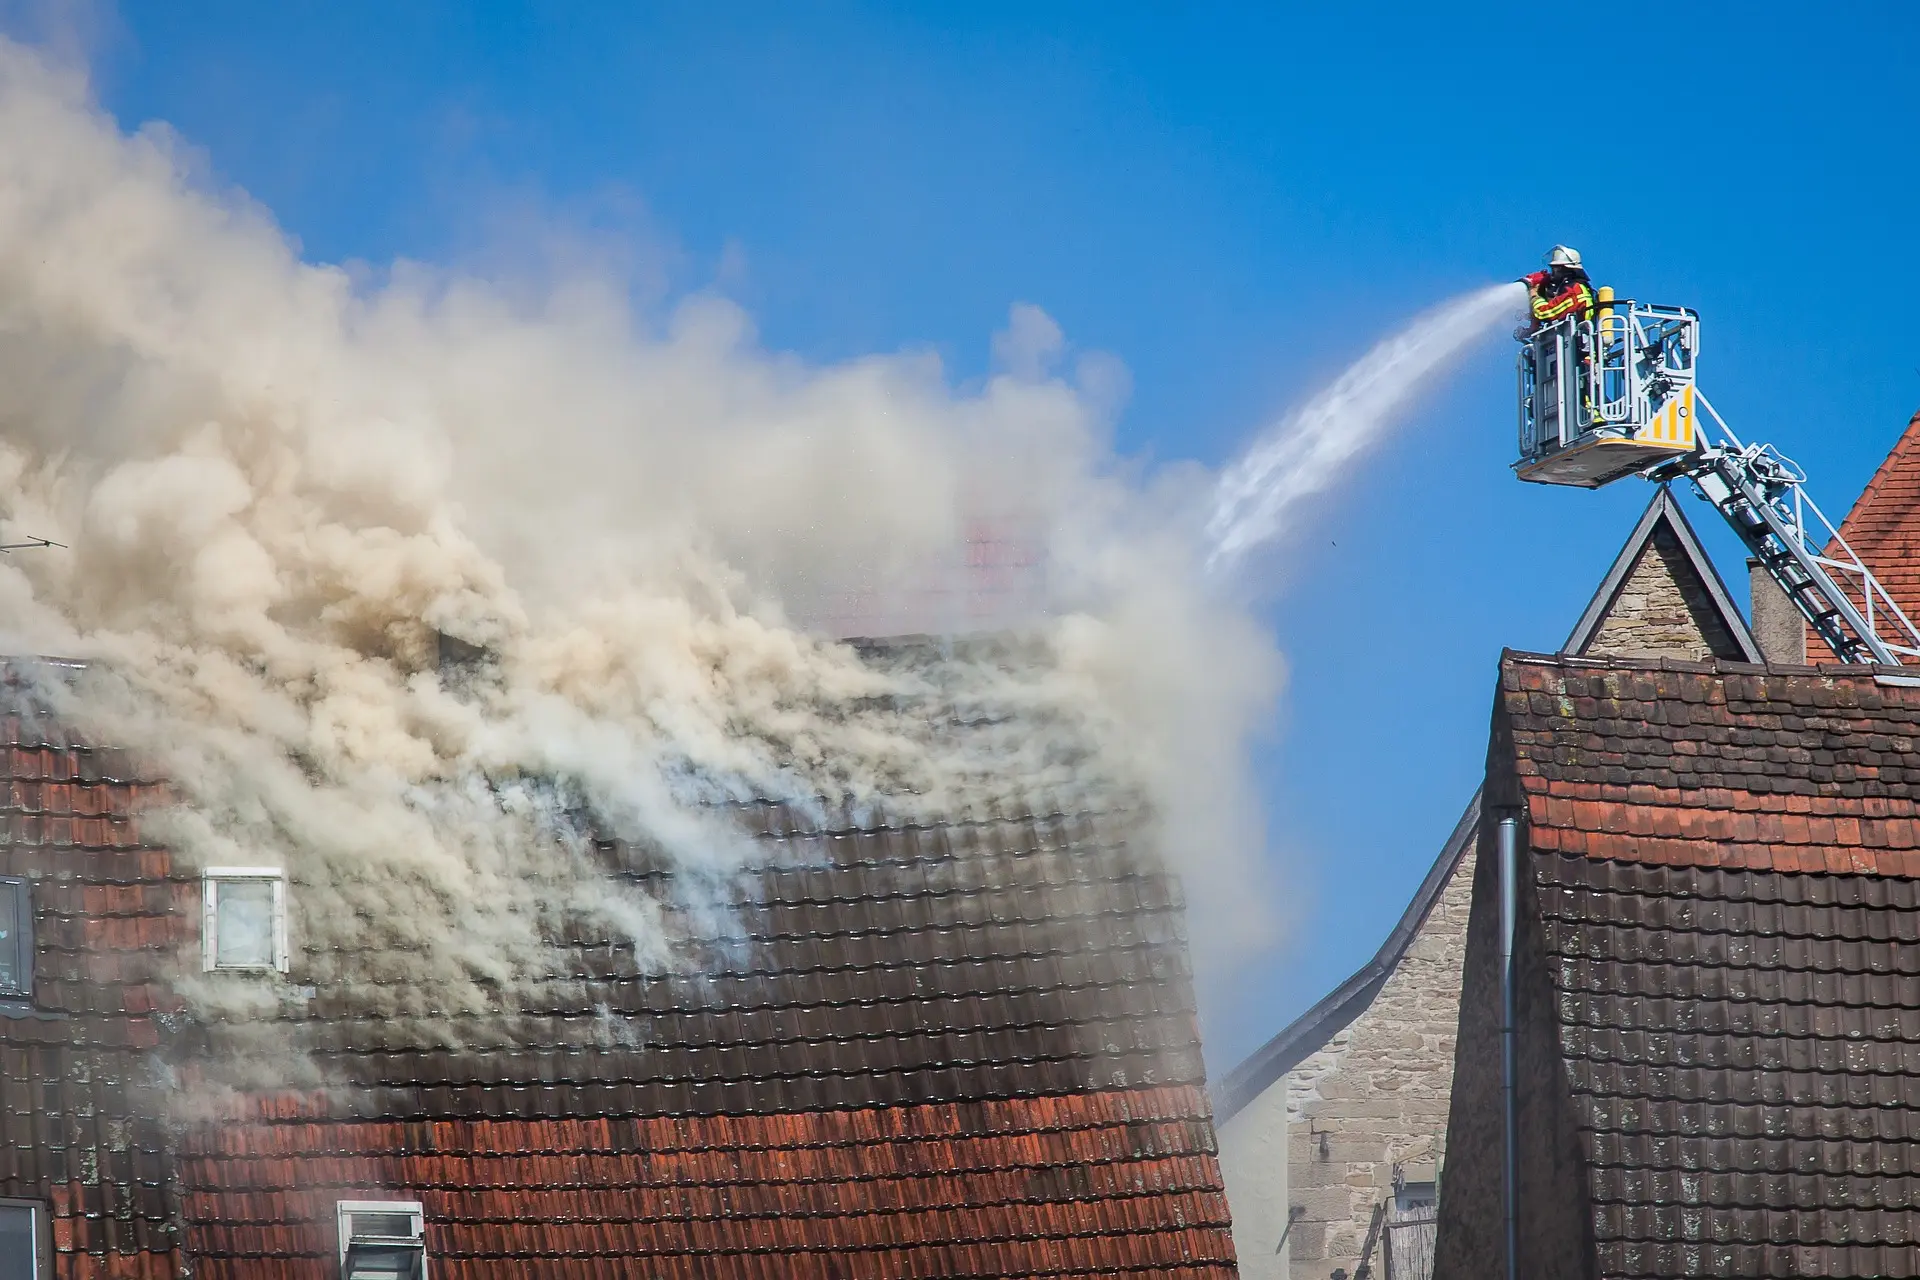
1315	444
282	484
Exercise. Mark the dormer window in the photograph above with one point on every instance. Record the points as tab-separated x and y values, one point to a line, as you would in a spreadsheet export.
382	1240
245	926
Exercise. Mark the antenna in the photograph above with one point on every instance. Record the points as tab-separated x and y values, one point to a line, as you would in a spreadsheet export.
31	542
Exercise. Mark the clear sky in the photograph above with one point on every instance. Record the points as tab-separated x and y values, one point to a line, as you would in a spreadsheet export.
1235	200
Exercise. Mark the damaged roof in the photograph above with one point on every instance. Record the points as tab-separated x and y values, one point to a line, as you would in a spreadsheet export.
939	1048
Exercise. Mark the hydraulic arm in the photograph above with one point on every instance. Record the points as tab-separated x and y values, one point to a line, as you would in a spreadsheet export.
1610	395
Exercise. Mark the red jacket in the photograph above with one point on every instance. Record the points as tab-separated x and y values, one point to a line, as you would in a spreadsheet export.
1559	293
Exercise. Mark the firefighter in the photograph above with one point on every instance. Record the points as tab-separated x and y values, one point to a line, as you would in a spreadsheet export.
1562	290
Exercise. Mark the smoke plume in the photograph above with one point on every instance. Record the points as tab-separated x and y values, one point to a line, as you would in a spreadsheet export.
287	488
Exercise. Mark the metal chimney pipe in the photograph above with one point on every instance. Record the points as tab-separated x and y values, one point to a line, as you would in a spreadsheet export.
1509	850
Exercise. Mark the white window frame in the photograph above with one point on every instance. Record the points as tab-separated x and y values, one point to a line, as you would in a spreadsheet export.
42	1234
210	881
345	1209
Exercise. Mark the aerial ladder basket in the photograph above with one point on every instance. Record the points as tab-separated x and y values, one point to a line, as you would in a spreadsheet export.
1612	394
1607	395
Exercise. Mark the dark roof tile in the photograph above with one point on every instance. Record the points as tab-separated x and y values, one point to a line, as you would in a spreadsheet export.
1723	866
933	1049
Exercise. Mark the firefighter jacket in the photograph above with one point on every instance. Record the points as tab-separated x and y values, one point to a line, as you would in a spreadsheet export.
1558	293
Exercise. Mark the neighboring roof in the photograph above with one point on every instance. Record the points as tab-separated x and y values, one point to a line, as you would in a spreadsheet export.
1883	527
1725	862
1719	764
1306	1034
1664	534
940	1048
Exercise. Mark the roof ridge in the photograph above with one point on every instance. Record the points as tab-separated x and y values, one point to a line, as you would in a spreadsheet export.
1705	666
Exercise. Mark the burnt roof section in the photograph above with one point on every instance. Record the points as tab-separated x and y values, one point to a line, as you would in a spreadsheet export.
1663	528
1033	953
1726	874
1308	1033
959	1047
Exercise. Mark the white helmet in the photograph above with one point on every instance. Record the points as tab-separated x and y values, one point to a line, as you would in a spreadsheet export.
1562	256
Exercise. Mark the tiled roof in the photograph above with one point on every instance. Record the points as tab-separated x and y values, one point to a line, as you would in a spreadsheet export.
1788	769
953	1048
1884	525
1104	1183
1883	528
1724	878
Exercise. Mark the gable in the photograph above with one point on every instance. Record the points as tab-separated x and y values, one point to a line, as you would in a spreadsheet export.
1313	1030
1663	599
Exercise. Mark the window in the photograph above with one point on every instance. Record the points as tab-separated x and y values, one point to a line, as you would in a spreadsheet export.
1412	1197
25	1249
382	1240
16	938
246	919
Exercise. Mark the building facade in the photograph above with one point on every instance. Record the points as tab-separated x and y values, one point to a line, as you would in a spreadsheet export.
1714	958
1356	1092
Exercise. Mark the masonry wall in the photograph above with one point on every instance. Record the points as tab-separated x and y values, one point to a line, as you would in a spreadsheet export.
1663	611
1376	1096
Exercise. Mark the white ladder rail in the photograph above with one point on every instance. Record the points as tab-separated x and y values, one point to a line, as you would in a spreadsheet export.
1762	495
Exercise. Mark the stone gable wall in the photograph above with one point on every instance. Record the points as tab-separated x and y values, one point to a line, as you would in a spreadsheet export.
1663	611
1376	1096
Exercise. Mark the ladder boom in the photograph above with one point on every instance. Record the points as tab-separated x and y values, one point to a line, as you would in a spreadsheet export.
1763	498
1614	393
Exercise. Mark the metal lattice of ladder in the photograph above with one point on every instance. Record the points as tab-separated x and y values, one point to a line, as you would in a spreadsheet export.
1763	497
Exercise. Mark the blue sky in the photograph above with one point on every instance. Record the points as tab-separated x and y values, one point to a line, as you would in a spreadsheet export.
1234	200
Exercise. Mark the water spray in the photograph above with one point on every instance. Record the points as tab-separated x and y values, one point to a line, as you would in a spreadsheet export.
1308	450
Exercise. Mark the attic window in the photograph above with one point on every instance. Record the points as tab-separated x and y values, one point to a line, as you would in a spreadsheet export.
382	1240
16	943
246	919
26	1251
